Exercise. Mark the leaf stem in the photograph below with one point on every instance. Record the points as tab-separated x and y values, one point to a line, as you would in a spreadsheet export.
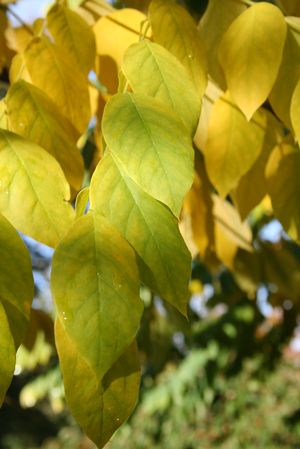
233	231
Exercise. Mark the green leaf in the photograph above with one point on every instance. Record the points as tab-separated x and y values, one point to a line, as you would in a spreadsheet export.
82	200
99	406
152	70
32	114
288	76
247	55
252	186
295	111
233	144
148	226
96	289
152	145
7	354
284	187
33	190
74	35
55	73
174	29
215	21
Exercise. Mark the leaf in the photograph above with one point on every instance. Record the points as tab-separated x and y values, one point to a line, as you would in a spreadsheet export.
33	190
7	355
5	53
284	187
74	35
32	114
148	226
233	144
152	145
96	289
152	70
288	75
3	116
124	25
82	201
295	111
291	7
174	29
251	74
99	406
215	21
55	73
252	186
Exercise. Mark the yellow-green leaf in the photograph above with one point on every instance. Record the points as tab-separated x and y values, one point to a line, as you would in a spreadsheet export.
33	115
252	187
174	29
288	75
96	289
247	55
34	193
295	111
3	116
7	354
233	144
152	70
284	187
148	226
55	73
152	145
74	35
82	200
215	21
99	405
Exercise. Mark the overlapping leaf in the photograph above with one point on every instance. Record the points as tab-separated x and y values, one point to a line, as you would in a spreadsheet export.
72	34
148	226
152	70
32	114
233	144
96	290
7	354
174	29
295	111
248	59
152	144
34	193
99	405
54	72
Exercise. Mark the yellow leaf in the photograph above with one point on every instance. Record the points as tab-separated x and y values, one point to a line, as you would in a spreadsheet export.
99	405
95	285
174	29
291	7
233	144
82	200
152	70
284	187
124	25
55	73
74	35
18	38
3	116
33	190
7	354
31	114
295	111
214	23
289	73
152	145
247	55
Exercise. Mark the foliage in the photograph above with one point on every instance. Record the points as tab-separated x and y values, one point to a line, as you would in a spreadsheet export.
170	123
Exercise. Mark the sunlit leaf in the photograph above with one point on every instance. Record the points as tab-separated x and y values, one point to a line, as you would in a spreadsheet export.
82	200
33	190
152	144
32	114
174	29
54	72
288	75
233	144
295	111
250	74
3	116
148	226
152	70
213	24
284	187
7	354
96	290
99	406
74	35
